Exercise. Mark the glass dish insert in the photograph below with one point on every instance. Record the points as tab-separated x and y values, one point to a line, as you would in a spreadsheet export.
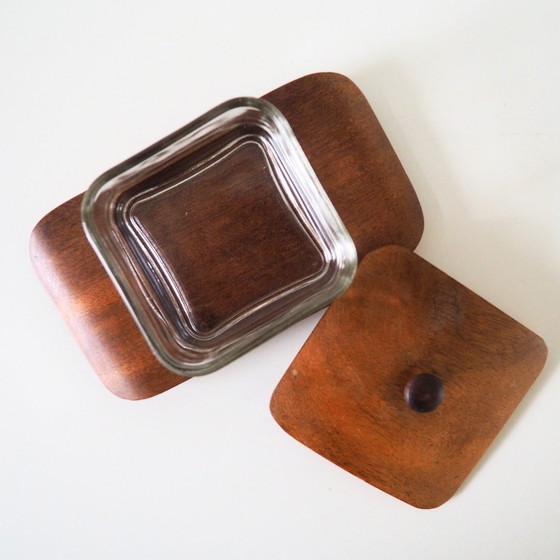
219	236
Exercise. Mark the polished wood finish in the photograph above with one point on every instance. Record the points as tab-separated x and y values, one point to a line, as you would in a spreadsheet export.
351	156
345	394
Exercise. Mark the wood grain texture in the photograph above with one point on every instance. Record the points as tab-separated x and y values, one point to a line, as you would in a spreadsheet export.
354	161
93	309
343	395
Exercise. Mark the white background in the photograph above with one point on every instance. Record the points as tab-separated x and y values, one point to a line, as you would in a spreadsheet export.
469	94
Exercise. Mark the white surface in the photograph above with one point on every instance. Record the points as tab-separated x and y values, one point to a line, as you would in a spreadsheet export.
467	91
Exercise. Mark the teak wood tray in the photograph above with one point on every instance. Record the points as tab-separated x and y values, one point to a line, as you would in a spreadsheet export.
356	165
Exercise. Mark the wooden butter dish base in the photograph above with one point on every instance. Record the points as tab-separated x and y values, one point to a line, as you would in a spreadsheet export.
355	164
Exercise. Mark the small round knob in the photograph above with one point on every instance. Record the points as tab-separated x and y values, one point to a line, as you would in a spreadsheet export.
424	392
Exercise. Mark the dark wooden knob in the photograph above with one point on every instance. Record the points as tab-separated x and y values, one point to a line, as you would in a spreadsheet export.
424	392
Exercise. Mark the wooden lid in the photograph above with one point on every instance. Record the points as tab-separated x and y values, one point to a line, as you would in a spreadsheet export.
407	379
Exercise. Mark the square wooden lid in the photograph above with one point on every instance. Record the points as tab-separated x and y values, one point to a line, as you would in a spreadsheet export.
347	393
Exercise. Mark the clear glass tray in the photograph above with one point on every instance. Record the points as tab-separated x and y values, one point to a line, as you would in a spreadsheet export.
219	236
